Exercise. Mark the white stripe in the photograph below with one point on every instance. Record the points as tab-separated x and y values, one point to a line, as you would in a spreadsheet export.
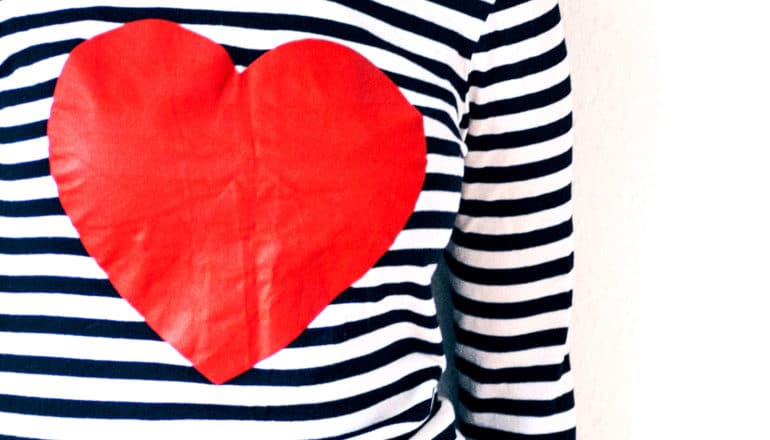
396	274
524	358
67	305
511	259
513	293
519	391
87	347
516	224
25	151
323	355
422	239
131	350
441	164
514	327
28	189
25	113
438	201
51	265
44	226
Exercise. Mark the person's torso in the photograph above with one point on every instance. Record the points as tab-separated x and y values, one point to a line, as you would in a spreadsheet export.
77	361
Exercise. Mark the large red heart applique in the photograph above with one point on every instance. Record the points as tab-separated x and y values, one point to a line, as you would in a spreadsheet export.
229	209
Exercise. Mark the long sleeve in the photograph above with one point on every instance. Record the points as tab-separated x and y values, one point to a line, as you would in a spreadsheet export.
511	254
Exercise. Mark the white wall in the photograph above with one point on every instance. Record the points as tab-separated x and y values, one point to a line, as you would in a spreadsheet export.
671	326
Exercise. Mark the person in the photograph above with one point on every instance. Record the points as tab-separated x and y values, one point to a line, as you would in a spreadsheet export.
491	83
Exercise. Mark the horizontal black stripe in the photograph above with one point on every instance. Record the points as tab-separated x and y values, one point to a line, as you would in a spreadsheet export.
51	284
249	20
501	5
477	432
242	56
139	330
516	173
176	411
24	170
442	182
464	121
42	245
443	147
532	408
34	54
505	344
522	103
520	32
408	257
378	293
520	69
416	413
522	309
510	208
10	437
23	132
255	376
95	287
77	326
353	329
503	277
476	9
31	208
538	373
431	220
522	138
524	240
23	95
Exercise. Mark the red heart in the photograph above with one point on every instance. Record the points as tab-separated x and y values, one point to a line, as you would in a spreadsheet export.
229	209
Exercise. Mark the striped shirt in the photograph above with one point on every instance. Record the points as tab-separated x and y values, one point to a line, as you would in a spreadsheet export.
491	81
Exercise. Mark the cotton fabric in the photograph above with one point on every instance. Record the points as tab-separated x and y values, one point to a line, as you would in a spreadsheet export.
492	82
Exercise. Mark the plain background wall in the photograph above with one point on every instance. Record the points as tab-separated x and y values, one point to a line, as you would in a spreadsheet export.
670	330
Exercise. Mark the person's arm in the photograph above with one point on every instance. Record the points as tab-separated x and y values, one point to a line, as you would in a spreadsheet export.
511	254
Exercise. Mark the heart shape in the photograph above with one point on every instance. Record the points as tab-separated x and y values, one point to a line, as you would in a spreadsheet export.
230	208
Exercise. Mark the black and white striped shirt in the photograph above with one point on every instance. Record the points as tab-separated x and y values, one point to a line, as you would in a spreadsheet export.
491	81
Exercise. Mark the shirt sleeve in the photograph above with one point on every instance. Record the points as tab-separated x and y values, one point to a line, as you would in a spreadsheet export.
511	256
